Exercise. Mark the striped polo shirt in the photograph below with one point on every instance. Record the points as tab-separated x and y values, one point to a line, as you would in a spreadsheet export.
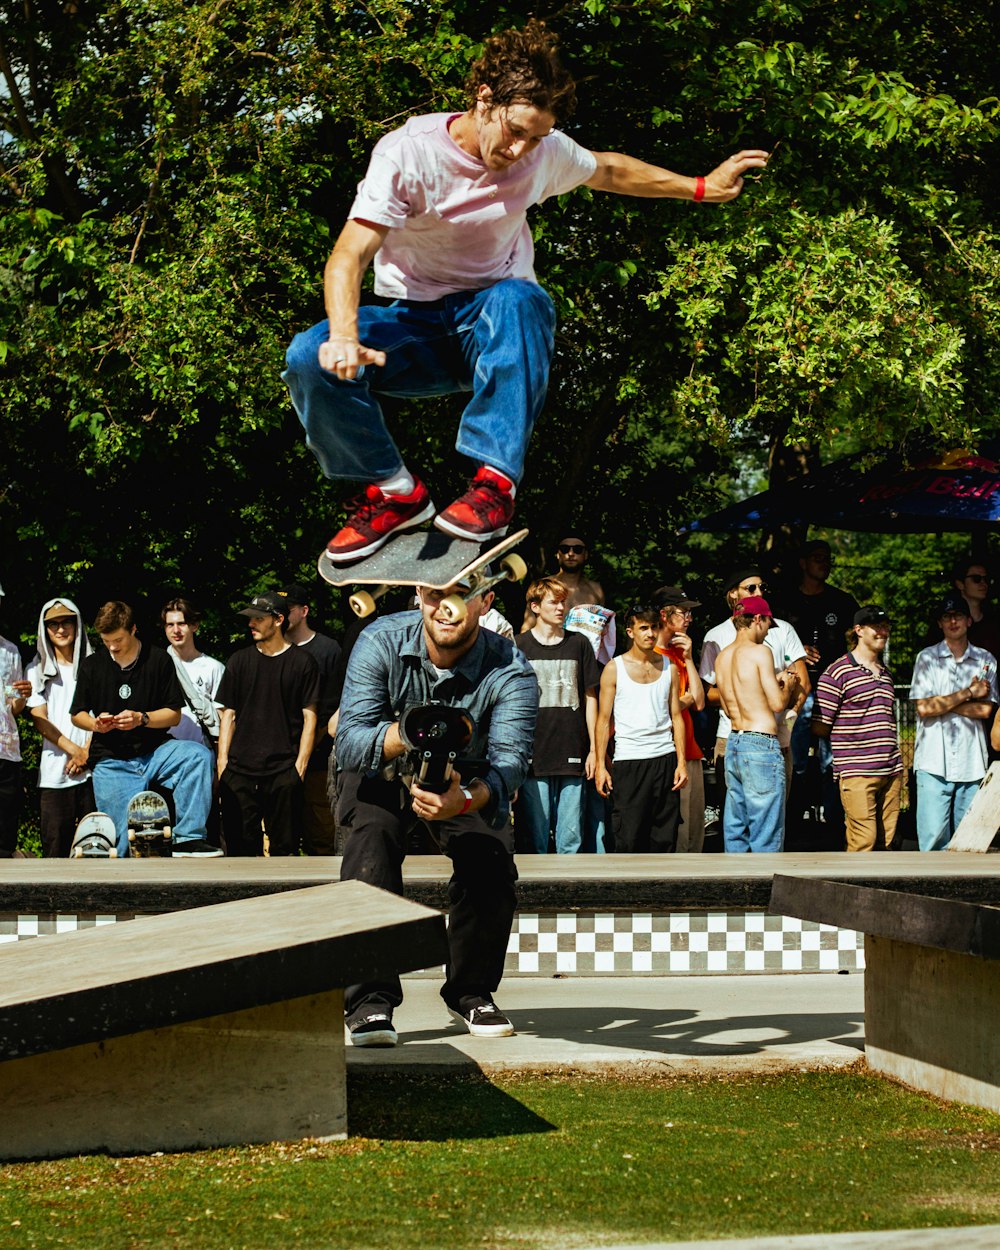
859	705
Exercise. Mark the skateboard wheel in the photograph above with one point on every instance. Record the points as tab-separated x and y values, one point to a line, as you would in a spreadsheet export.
454	607
362	603
131	835
78	854
168	833
113	853
514	566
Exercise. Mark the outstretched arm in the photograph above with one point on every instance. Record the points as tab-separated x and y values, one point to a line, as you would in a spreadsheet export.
624	175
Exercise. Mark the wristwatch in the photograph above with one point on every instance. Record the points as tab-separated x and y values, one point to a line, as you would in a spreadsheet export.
144	720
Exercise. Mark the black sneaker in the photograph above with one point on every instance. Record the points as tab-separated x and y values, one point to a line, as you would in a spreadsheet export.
372	1028
197	847
483	1018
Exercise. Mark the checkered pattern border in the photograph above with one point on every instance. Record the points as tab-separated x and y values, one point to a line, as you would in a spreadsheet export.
698	943
694	943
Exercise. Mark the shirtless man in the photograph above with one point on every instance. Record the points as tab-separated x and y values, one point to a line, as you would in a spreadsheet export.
752	694
571	556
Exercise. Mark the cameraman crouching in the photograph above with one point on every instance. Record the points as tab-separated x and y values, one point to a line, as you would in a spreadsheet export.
424	657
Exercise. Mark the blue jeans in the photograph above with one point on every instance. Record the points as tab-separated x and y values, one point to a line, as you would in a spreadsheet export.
595	820
941	805
185	768
543	798
496	343
803	738
755	793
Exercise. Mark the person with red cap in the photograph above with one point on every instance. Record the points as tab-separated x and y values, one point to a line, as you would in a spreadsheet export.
752	695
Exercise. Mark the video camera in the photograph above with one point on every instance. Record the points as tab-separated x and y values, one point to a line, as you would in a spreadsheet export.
435	736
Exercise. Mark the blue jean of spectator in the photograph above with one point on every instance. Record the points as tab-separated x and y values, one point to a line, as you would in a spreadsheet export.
558	802
803	738
496	343
596	819
941	804
755	794
184	768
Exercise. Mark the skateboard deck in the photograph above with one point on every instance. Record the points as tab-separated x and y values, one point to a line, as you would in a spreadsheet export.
427	558
981	821
95	838
149	831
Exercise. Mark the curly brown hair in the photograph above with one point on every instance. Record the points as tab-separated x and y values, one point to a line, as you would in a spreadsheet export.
523	67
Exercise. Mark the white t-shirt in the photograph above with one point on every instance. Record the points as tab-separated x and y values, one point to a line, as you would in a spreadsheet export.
455	224
205	674
10	671
56	695
785	646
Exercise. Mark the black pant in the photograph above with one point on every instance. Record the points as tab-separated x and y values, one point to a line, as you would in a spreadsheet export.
275	799
11	802
61	810
646	811
482	896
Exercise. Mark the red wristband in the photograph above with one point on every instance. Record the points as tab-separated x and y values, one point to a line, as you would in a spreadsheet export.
468	801
699	189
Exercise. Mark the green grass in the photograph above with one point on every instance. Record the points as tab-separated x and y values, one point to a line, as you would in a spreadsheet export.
542	1162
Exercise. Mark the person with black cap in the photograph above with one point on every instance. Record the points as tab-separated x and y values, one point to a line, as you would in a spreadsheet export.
319	830
856	710
269	696
954	688
674	642
789	657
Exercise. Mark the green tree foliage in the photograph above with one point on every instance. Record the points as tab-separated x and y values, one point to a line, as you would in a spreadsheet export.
172	174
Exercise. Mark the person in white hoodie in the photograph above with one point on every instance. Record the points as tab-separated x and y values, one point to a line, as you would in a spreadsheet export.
65	790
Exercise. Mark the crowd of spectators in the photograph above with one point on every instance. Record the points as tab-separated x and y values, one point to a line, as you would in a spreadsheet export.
780	730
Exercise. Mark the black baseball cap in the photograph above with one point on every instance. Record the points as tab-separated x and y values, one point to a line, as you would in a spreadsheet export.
295	593
269	603
872	614
673	597
949	604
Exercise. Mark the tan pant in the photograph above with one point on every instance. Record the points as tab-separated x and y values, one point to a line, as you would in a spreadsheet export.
871	809
691	834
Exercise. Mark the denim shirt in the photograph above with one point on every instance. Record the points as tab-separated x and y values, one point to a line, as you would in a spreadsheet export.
389	671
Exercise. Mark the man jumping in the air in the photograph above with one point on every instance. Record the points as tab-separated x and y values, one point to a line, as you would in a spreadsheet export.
442	213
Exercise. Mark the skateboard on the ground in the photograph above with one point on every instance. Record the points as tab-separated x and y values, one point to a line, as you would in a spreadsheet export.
149	831
428	558
95	838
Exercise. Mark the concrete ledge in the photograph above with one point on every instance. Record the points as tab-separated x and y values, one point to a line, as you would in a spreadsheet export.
548	883
185	1087
932	1018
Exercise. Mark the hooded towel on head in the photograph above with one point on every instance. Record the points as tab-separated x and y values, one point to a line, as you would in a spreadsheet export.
48	664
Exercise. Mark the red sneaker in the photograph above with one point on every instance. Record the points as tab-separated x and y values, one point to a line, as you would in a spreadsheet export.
483	512
373	518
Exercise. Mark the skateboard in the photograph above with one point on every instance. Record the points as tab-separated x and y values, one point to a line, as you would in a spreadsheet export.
149	831
427	558
95	838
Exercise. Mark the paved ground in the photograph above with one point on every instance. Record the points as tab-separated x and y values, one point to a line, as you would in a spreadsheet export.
985	1237
685	1023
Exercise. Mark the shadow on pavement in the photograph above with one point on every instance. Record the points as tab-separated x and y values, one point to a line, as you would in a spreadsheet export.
676	1032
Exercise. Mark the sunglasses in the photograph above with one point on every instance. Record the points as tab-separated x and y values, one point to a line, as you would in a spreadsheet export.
753	588
571	548
64	622
978	577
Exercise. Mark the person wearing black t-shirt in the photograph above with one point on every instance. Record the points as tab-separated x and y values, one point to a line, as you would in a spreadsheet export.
563	755
319	830
128	697
269	695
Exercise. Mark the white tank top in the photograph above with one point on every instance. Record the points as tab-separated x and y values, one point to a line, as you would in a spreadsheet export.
643	727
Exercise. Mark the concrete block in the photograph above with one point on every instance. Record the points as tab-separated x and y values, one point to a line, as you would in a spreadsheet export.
932	1019
270	1073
